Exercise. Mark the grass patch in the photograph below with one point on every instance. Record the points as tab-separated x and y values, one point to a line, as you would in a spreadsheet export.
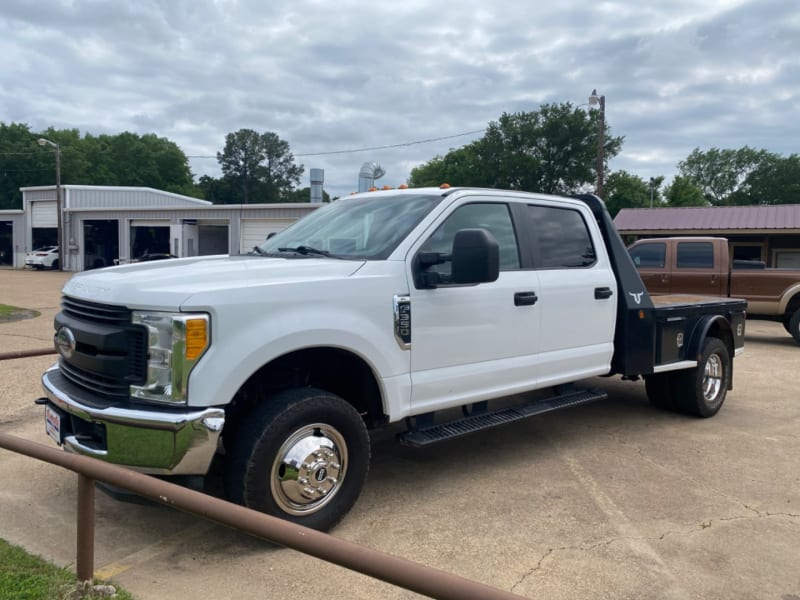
27	577
13	313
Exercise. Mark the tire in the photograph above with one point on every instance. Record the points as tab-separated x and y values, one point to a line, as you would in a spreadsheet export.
660	390
793	326
54	266
302	455
701	391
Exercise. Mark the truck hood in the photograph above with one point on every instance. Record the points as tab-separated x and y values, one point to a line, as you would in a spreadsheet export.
168	284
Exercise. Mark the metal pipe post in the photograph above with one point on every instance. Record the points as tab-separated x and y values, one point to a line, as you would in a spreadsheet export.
85	544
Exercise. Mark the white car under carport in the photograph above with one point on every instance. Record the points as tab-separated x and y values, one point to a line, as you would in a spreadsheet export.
43	258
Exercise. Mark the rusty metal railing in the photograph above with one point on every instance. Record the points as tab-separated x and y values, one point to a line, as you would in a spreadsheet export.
26	353
398	571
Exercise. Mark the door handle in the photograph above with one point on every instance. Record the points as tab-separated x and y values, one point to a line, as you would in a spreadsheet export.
525	298
602	293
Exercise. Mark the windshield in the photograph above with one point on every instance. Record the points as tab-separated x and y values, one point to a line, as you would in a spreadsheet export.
361	228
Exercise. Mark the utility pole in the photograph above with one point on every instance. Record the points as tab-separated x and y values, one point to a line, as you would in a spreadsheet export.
601	134
59	233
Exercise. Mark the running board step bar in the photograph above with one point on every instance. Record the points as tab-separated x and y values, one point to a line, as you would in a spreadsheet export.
431	434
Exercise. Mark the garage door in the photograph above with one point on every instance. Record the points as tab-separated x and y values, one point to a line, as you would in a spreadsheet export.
44	214
254	231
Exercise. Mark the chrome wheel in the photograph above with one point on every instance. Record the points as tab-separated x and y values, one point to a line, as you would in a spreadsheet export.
713	376
309	469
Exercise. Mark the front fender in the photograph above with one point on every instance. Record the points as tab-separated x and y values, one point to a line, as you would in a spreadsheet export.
242	351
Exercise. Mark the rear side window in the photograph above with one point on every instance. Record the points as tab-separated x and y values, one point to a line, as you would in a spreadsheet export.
562	237
695	255
649	256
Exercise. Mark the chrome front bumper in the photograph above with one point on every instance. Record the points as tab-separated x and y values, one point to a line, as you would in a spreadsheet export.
153	440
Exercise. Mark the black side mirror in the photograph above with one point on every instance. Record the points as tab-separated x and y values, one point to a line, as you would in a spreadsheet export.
476	256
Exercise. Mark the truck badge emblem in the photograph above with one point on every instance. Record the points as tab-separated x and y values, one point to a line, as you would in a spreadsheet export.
637	297
65	342
402	320
679	340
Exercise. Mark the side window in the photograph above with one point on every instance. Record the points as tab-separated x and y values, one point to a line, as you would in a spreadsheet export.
563	239
695	255
491	216
649	256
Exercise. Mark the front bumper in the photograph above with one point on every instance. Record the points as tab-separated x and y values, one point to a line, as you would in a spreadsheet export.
157	440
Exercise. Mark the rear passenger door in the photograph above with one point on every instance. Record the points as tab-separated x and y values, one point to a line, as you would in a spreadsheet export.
577	294
694	270
653	261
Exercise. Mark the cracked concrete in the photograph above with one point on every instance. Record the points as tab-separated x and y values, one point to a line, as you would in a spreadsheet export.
610	500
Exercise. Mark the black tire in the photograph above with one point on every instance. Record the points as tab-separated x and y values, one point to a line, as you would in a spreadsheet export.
701	391
793	326
659	390
54	266
321	438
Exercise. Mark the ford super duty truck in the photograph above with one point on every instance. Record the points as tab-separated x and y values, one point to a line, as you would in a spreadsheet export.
383	307
703	265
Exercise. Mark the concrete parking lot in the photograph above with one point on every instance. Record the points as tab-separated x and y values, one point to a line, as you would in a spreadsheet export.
609	500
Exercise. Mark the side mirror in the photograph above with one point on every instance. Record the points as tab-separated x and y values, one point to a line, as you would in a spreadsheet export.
476	256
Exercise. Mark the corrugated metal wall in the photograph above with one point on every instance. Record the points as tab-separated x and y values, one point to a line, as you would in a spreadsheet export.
132	206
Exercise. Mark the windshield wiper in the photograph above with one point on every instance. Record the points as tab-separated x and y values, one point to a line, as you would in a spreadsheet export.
308	250
258	250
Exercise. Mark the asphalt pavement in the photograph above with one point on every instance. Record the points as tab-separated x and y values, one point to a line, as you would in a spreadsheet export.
609	500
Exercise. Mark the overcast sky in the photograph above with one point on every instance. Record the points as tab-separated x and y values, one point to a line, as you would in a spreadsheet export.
330	76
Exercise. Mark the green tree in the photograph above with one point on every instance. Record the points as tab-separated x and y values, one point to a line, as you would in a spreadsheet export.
552	150
683	192
721	173
22	163
258	167
775	181
303	195
624	190
458	167
121	159
217	191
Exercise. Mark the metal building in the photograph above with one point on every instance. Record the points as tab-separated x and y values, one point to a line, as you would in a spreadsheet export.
104	225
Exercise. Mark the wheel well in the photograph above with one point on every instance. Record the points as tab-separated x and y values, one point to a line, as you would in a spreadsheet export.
721	329
332	369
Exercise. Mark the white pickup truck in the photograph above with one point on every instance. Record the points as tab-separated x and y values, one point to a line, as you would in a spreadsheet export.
381	307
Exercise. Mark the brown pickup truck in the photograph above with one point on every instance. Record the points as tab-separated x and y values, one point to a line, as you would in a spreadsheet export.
702	265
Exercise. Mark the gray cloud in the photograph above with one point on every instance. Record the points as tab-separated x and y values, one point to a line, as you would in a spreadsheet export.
335	76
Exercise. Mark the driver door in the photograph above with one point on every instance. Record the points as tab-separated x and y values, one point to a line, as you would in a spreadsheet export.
471	342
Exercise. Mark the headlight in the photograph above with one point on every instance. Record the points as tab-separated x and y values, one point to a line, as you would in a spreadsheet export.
175	342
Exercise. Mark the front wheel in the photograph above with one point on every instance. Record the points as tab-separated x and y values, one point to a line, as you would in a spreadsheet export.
701	391
302	455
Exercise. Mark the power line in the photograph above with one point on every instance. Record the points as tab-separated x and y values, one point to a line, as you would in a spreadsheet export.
325	153
447	137
351	151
